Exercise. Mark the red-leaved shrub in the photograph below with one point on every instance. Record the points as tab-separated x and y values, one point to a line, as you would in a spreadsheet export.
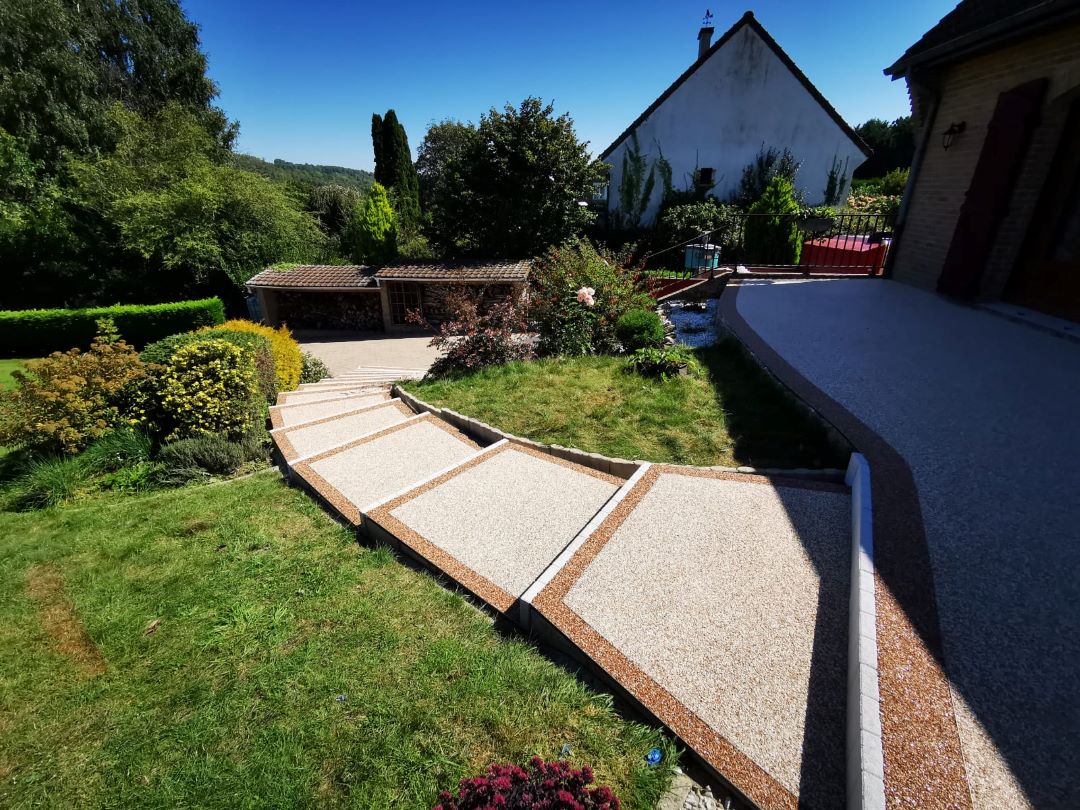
542	786
476	336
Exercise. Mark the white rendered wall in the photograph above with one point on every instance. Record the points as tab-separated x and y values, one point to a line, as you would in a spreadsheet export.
743	96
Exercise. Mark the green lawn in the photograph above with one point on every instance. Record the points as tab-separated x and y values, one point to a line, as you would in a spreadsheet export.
6	367
189	647
728	412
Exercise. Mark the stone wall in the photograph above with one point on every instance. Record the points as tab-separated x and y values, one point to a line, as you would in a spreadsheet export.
330	310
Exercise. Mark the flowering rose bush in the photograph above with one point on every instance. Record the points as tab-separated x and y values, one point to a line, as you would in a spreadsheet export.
543	786
475	337
577	295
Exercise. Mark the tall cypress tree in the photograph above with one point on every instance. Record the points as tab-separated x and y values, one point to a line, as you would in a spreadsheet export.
394	167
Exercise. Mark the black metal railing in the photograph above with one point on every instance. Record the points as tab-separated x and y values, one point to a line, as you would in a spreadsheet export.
847	243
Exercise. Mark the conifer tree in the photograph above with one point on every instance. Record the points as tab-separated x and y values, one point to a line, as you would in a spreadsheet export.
394	167
371	237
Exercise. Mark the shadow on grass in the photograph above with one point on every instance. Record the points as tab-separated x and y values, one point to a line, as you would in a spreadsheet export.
767	428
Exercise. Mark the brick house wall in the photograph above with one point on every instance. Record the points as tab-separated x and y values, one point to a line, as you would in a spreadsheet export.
969	92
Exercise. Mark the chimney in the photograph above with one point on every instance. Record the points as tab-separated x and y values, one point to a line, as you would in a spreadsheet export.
704	37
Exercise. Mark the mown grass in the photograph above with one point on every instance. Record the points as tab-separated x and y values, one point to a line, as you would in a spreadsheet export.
7	382
726	412
231	645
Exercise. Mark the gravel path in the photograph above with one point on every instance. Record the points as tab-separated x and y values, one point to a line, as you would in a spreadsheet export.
985	412
508	517
732	596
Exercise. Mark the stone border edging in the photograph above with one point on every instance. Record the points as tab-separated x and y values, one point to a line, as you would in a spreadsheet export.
620	467
865	754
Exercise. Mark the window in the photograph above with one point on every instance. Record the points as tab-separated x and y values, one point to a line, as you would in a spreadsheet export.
706	176
404	298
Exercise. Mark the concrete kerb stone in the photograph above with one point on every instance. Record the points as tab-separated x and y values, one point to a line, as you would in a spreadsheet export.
865	758
619	467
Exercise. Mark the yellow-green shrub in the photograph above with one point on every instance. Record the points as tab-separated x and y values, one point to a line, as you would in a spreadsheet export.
68	399
208	387
287	358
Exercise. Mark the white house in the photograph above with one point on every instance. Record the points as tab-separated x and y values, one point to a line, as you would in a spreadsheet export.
742	94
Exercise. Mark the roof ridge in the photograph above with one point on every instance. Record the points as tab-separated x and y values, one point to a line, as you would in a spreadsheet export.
747	18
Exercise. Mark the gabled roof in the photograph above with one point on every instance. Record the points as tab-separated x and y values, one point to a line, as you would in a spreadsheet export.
747	19
978	24
493	272
317	276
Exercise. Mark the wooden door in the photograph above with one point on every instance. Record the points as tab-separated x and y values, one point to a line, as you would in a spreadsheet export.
1047	276
987	199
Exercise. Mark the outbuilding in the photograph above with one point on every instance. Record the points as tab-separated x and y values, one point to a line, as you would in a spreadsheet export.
366	298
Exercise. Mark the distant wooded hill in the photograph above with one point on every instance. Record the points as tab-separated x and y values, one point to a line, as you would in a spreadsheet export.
307	175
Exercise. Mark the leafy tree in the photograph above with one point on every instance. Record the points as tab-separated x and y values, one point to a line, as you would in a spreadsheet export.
372	235
35	227
394	167
522	177
305	177
772	229
893	146
65	63
333	206
442	163
164	196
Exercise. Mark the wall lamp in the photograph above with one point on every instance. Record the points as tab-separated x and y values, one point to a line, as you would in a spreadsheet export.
949	136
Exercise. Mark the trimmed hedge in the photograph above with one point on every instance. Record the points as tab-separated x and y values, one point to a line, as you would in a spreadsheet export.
37	332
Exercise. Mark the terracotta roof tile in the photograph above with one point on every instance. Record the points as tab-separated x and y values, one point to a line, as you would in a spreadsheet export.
479	271
325	276
981	23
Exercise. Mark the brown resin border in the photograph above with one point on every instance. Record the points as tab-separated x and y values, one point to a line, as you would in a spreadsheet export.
478	584
275	410
741	771
924	762
281	438
333	495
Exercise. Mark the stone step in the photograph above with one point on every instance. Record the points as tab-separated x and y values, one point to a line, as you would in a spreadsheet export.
495	522
290	415
358	475
297	397
719	601
311	438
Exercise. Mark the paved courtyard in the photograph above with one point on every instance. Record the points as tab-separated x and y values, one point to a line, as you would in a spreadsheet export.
978	418
345	351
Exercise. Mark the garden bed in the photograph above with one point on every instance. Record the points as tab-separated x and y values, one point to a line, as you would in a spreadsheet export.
177	647
727	411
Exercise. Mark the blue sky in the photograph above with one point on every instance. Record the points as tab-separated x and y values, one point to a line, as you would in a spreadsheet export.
303	78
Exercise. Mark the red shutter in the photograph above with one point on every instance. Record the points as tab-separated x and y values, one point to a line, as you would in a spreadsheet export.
987	200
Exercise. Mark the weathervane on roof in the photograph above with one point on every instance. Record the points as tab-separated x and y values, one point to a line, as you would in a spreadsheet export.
706	21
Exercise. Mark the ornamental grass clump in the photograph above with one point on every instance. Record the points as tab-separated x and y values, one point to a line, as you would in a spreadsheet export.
66	400
542	786
208	386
